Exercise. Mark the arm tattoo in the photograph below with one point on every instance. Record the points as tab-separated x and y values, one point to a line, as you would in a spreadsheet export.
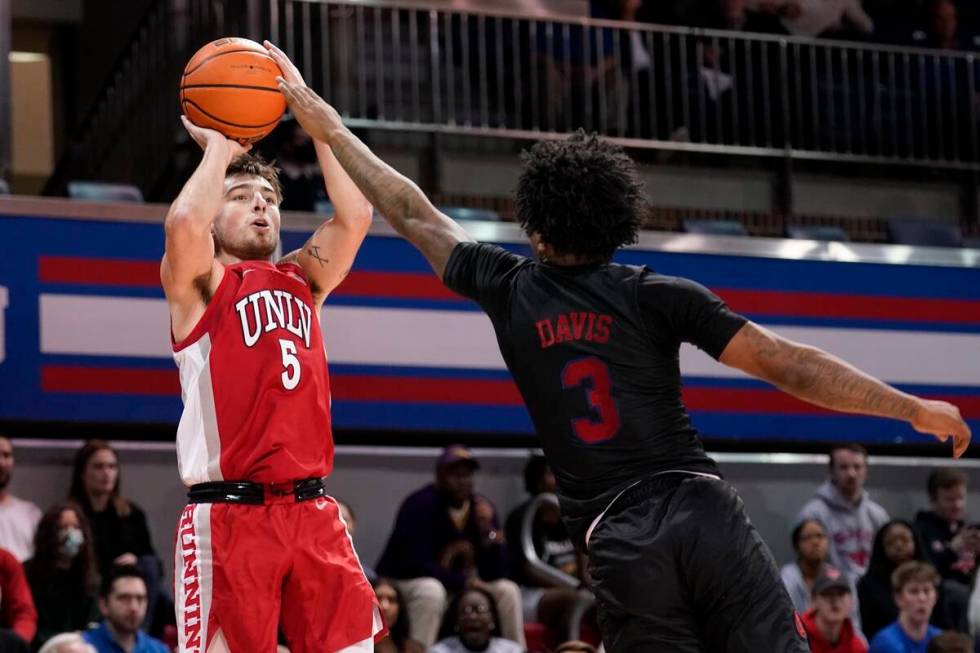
825	380
314	251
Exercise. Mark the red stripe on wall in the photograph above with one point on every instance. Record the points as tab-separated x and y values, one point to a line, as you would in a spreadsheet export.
404	285
78	379
109	380
826	305
99	271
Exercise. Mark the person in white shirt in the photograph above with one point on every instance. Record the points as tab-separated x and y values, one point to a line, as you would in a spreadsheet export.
815	17
18	517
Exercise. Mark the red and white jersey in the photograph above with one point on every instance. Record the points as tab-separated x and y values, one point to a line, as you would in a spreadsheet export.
253	377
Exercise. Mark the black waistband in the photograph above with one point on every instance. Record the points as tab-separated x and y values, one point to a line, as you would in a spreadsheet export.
655	484
251	493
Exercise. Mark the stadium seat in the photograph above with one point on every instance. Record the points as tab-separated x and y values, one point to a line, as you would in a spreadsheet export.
817	232
465	213
714	227
4	188
103	192
929	233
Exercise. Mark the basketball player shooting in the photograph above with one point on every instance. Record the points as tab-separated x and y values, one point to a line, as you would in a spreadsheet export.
260	544
593	348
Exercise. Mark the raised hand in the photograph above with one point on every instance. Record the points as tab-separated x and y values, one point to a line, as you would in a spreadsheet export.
289	70
205	137
942	420
318	118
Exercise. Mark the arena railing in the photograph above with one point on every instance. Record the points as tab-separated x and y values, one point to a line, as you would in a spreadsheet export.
398	65
401	65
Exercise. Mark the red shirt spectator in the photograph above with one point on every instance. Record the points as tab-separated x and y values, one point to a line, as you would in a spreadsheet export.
827	623
16	604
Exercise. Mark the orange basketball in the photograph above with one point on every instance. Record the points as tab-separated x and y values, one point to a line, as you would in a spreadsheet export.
229	85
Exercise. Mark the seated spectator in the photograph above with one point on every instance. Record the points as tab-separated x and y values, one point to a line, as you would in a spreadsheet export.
350	520
942	26
122	603
843	506
446	539
18	518
473	617
62	574
914	586
950	642
897	543
18	618
67	643
550	599
951	545
811	547
118	525
827	623
397	620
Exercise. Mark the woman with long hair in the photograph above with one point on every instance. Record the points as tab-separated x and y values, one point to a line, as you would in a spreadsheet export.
396	618
62	574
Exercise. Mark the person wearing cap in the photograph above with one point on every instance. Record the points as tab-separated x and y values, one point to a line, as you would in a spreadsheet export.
447	538
827	623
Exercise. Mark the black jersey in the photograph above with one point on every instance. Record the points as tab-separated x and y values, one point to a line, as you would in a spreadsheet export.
594	352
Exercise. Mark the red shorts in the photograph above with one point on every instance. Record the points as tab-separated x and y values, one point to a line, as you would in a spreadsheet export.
242	570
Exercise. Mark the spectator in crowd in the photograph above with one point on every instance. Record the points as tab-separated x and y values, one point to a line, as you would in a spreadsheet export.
548	598
446	539
827	623
895	544
299	174
18	517
950	642
951	545
844	507
118	525
18	618
396	618
62	574
350	520
67	643
942	26
914	587
472	625
811	548
122	603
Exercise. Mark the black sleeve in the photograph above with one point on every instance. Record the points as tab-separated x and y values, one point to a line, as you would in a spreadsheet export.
685	311
483	273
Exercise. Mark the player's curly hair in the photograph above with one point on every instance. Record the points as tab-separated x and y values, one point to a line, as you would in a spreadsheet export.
255	165
581	195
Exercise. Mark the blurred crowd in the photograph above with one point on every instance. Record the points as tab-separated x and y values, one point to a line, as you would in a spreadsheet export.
456	576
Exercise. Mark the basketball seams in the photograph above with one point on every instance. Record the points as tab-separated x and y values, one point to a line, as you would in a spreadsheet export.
221	54
268	89
225	122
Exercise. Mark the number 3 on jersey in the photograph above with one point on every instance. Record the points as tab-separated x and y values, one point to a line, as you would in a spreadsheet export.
291	373
604	422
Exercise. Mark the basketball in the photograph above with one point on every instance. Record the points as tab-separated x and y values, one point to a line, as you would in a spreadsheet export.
229	85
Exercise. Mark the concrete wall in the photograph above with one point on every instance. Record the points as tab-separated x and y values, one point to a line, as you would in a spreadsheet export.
375	480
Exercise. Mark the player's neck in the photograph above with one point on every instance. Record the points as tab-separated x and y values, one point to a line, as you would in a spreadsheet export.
230	259
568	260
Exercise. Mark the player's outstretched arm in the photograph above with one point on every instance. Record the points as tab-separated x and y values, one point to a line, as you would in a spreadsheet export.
328	255
396	197
820	378
188	262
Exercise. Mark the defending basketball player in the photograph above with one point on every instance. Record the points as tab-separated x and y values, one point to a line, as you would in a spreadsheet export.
260	544
593	348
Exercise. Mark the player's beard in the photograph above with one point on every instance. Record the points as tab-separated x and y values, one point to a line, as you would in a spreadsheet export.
254	248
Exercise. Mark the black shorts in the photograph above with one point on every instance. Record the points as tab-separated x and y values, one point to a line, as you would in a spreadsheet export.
676	566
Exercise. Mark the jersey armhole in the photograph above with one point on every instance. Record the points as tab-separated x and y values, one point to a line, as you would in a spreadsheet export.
209	310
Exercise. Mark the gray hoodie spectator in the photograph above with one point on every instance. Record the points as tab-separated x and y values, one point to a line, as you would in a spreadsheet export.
843	506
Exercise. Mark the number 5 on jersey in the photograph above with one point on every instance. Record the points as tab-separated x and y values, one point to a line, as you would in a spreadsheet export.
290	364
603	422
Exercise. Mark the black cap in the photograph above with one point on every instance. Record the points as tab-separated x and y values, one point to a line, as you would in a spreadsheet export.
456	453
830	580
